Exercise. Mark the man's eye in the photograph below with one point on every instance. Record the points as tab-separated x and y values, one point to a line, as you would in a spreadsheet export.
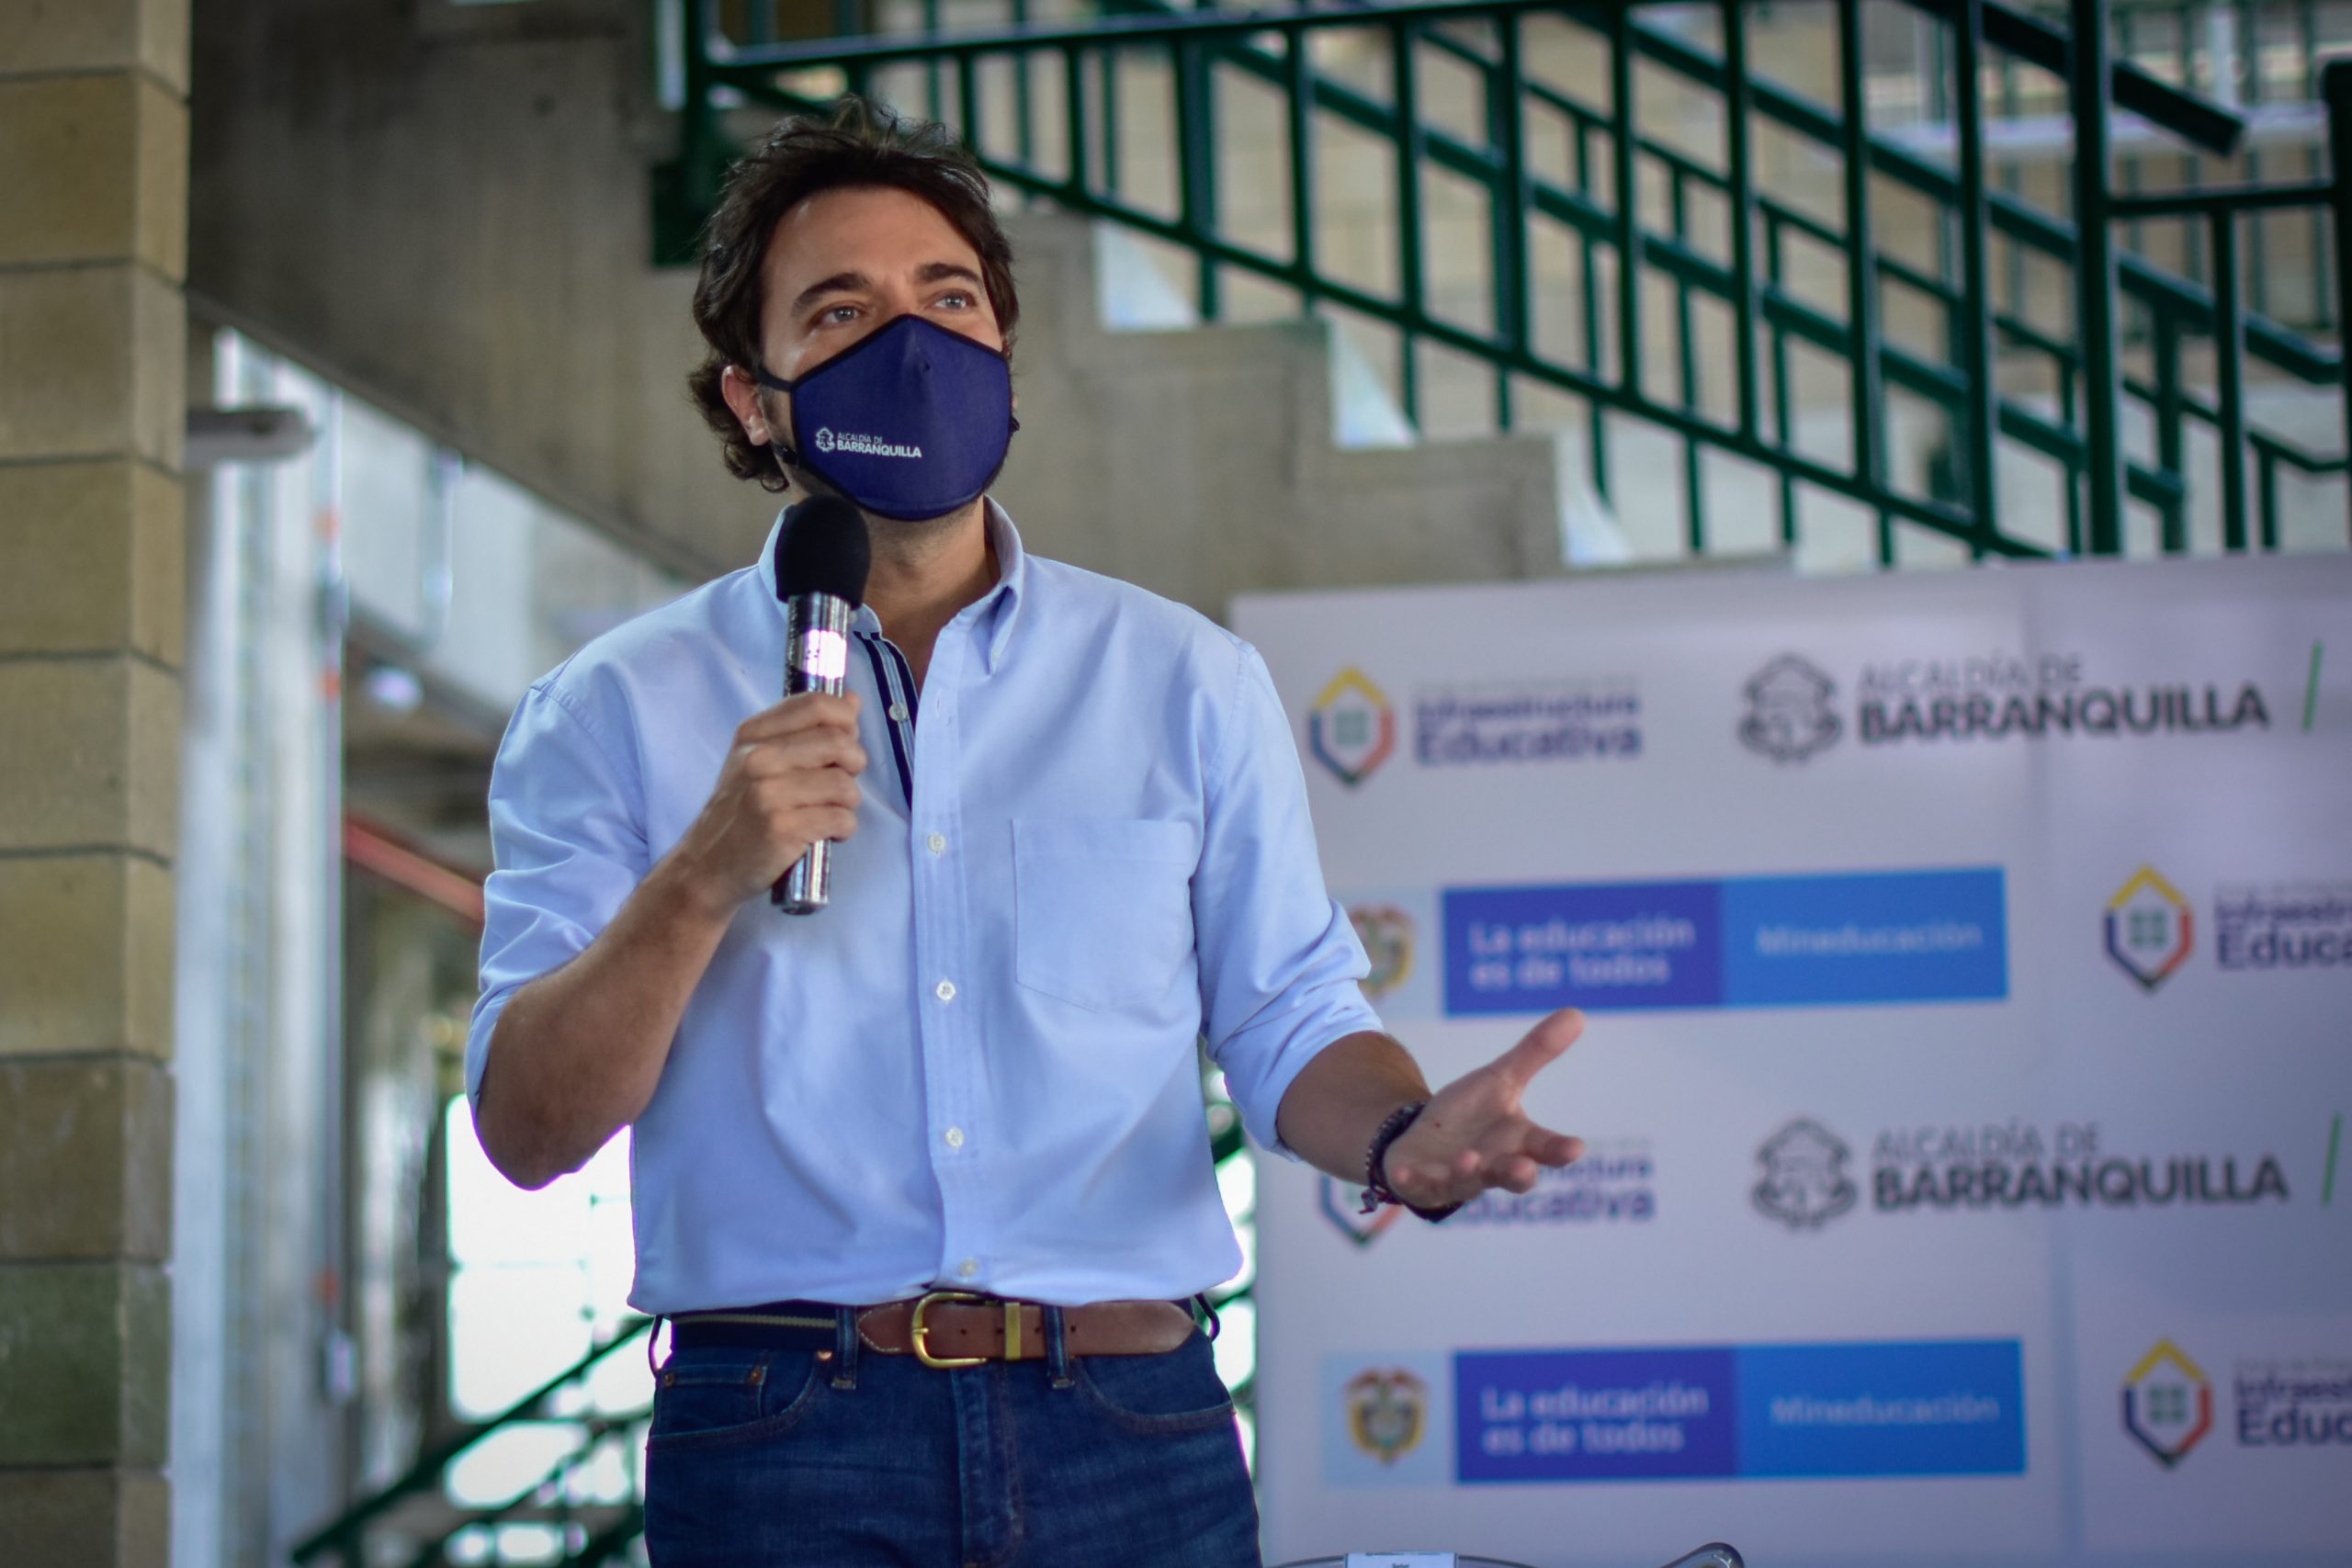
959	300
839	313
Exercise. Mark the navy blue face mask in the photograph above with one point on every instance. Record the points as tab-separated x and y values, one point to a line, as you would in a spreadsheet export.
911	422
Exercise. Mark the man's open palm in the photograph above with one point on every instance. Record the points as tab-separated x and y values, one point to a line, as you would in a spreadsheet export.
1473	1135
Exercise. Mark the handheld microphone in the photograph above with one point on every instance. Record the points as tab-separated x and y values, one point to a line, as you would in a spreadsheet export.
822	555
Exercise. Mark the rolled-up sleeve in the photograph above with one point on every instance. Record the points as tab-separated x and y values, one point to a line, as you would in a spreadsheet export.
568	848
1279	960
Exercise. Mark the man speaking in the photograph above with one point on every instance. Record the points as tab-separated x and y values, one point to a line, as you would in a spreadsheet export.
922	1178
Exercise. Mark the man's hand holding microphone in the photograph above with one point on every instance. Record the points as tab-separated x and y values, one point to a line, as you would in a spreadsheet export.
789	782
789	786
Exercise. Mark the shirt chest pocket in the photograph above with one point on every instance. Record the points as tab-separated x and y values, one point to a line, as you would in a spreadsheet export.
1103	908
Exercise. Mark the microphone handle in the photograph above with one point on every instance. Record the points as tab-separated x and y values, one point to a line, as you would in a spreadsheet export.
816	659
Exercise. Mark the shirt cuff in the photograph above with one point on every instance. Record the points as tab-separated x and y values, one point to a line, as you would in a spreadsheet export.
1262	1105
478	1035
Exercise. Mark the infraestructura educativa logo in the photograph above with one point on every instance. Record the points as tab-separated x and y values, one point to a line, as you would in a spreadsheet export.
1615	1183
1802	1182
1526	720
2150	929
2278	1402
2258	928
2167	1403
1352	729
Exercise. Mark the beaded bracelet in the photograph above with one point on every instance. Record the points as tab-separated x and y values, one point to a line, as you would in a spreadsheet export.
1376	1189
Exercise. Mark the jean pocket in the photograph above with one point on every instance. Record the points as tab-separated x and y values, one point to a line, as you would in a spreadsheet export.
1103	908
1176	1391
729	1396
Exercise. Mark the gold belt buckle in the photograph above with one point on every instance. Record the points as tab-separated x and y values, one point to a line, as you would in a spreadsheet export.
918	1330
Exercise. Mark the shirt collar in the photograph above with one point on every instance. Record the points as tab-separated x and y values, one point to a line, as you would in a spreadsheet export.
1000	608
1003	603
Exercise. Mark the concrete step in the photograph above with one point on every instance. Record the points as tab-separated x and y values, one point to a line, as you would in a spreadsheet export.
1203	461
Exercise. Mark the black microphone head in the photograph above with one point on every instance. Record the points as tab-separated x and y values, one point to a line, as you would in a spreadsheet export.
823	549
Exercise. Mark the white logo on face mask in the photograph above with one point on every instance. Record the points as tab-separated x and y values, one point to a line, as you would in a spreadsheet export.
829	440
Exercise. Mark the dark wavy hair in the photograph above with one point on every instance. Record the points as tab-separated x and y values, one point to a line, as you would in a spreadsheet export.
860	143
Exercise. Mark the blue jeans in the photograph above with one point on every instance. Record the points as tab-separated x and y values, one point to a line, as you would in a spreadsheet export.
778	1456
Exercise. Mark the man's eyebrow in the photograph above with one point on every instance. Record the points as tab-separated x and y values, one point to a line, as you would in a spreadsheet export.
940	271
840	283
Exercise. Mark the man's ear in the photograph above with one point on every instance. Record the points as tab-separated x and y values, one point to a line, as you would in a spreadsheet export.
742	395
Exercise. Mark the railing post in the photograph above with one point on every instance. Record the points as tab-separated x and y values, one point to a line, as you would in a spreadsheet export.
2171	412
968	99
1686	359
1074	116
698	126
932	81
1588	287
1868	399
1979	358
2095	275
1412	282
2307	20
1510	201
1783	403
2192	240
1106	65
1628	192
2228	390
1299	91
1740	175
2265	469
1025	129
1197	163
2336	89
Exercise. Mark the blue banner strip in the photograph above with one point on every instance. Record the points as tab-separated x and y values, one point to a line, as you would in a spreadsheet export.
1918	1409
1832	940
1724	1412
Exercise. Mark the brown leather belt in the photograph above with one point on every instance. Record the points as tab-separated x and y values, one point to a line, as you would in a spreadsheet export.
949	1328
957	1329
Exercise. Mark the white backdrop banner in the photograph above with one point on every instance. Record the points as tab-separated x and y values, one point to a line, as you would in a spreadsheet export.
1969	965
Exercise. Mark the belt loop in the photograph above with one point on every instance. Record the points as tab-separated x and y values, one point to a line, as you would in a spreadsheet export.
845	1346
1057	1347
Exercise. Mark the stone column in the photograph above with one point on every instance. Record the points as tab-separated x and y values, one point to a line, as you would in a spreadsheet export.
94	168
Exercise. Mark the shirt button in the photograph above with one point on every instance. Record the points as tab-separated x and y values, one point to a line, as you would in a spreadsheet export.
944	990
898	713
954	1137
937	843
969	1267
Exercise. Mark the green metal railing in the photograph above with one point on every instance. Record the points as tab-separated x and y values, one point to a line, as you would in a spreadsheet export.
2265	59
1047	108
590	1532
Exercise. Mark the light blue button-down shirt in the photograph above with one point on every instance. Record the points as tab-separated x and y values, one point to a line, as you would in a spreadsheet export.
1083	846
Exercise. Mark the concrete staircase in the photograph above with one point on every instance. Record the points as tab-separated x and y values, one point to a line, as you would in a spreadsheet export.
1203	461
547	349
